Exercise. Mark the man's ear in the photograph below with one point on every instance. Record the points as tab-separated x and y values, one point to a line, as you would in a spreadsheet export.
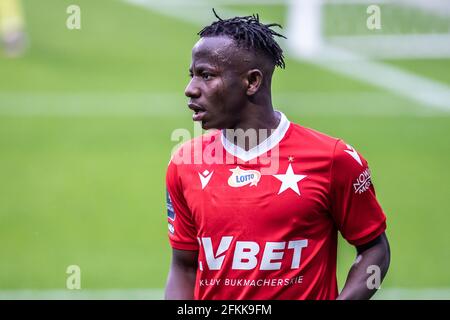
254	81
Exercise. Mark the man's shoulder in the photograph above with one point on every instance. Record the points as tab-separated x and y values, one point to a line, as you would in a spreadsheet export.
337	148
313	137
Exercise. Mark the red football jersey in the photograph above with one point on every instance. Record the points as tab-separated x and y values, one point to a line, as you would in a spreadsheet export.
265	221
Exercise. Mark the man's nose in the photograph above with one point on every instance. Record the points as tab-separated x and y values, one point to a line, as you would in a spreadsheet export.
192	91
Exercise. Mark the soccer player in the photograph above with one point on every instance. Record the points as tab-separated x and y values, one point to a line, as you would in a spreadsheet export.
12	28
255	206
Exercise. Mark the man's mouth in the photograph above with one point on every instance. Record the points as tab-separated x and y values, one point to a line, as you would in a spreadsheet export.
199	112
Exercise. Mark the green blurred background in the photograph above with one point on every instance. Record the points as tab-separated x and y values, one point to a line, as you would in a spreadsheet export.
86	118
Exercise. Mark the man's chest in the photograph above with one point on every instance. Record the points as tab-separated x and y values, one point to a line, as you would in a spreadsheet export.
246	198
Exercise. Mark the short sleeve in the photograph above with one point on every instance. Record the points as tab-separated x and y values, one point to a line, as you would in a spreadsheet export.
182	231
354	206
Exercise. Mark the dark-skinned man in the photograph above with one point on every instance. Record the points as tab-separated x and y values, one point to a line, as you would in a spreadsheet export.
255	205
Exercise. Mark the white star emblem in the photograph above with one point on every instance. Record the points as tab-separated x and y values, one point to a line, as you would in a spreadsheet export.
289	180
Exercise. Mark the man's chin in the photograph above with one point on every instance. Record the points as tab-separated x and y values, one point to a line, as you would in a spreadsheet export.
206	126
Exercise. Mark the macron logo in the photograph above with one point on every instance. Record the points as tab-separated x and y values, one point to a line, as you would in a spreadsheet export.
205	176
351	151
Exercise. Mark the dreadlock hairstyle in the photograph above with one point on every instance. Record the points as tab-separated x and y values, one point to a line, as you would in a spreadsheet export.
249	33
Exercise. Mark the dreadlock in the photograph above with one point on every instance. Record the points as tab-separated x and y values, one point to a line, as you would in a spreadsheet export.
248	32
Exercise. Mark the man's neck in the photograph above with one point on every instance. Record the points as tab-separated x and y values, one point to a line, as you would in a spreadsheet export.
253	127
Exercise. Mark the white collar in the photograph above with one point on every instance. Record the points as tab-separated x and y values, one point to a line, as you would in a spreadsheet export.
263	147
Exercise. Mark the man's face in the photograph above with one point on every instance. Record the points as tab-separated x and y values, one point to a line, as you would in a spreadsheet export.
217	89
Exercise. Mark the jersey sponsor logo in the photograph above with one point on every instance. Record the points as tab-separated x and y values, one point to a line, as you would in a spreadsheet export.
351	151
205	176
246	255
170	211
240	177
363	182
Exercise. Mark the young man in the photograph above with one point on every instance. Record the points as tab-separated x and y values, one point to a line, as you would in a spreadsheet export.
254	207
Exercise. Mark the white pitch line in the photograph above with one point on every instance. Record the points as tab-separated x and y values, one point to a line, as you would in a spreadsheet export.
429	93
91	104
158	294
171	3
82	294
373	103
196	12
420	89
413	294
397	46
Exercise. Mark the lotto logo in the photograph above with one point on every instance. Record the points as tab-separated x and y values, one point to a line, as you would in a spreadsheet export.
240	177
245	253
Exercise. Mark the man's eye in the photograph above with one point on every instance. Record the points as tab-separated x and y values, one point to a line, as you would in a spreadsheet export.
206	75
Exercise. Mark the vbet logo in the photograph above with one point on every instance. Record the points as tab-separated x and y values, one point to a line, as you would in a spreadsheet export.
246	255
240	177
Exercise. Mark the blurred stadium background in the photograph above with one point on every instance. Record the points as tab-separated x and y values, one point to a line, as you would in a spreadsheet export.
86	118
